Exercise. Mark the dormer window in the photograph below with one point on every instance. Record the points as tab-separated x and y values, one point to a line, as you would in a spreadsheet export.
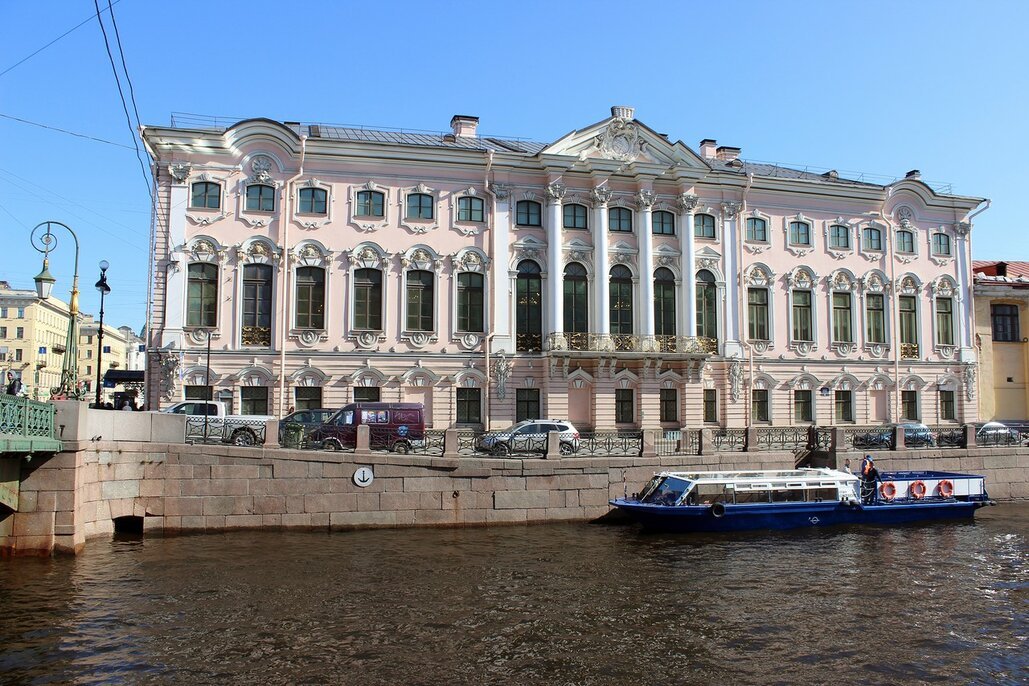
260	198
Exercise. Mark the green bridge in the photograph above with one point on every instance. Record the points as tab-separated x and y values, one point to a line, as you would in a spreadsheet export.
26	429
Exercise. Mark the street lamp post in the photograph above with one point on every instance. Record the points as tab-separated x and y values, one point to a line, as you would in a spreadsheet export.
45	243
104	289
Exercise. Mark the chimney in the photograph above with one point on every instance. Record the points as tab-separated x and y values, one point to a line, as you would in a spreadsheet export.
464	125
727	153
708	148
1002	269
913	174
623	111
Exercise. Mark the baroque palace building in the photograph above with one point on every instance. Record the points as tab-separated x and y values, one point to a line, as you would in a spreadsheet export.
611	277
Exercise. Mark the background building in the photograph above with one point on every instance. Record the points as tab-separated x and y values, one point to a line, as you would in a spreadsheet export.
33	334
116	350
1001	304
612	277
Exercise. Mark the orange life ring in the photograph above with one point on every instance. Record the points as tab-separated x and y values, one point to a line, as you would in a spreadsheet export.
888	491
946	488
918	490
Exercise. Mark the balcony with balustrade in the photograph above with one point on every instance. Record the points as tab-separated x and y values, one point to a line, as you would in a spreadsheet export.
580	342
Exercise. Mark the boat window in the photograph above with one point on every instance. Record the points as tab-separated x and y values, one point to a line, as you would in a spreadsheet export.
668	493
820	494
751	497
712	493
782	495
649	488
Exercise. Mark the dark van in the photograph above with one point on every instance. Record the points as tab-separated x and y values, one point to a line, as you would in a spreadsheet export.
391	426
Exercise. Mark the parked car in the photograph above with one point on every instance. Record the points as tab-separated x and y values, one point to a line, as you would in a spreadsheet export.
997	433
307	419
207	418
529	436
392	426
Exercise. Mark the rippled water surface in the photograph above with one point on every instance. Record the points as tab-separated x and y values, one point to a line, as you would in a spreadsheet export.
565	604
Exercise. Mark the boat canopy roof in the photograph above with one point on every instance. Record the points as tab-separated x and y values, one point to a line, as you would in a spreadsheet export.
769	477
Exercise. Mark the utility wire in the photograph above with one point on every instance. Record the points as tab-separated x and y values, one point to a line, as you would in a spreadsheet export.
124	66
70	133
25	59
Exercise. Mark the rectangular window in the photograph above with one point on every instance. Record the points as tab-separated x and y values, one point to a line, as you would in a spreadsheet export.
802	406
21	313
663	223
527	404
3	312
1005	323
619	219
757	299
372	204
260	198
19	332
313	200
802	316
528	213
419	300
841	331
624	410
368	299
17	354
198	392
905	242
3	332
757	230
909	404
470	299
875	315
253	400
759	404
367	394
310	290
844	406
257	304
202	295
710	405
669	405
307	397
800	233
469	209
839	237
89	354
948	409
575	217
89	369
468	406
945	321
107	348
908	319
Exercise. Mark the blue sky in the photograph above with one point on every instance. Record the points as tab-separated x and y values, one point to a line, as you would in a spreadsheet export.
869	87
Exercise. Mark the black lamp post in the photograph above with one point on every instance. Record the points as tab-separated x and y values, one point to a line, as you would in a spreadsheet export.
104	289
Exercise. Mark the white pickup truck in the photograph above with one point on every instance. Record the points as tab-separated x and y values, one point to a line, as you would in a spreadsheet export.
206	420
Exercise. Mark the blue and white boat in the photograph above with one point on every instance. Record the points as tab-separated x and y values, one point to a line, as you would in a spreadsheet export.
789	499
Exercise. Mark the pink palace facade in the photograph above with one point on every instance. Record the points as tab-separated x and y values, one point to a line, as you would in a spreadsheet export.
611	277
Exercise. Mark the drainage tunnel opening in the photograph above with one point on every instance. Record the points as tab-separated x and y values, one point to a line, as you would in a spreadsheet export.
128	525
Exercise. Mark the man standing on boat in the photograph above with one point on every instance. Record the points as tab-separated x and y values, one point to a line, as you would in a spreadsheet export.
869	475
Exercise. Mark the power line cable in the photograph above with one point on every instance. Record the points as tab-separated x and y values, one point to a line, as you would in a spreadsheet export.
124	66
70	133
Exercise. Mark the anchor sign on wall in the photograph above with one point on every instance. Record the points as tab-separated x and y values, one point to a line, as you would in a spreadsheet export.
363	477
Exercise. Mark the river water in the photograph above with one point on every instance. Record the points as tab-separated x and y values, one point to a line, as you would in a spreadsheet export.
554	604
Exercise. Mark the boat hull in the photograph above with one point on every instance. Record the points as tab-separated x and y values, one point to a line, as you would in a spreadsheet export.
749	517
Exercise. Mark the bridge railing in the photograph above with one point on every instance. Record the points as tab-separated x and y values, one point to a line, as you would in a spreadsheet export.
25	417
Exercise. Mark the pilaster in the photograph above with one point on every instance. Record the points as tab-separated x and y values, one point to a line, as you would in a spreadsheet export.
688	262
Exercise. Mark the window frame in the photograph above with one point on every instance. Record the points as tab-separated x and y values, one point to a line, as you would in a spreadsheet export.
208	185
843	399
416	205
625	405
700	226
624	216
910	398
466	305
883	322
311	289
938	240
903	313
208	302
364	297
574	225
662	223
810	306
575	293
841	321
365	204
621	292
760	406
665	302
710	405
944	320
795	226
948	406
899	246
466	209
312	201
424	309
668	402
265	192
1011	330
525	400
529	213
834	236
867	234
751	230
754	326
463	405
799	404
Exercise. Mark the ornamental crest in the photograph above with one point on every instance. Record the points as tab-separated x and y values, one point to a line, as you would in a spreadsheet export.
621	141
262	167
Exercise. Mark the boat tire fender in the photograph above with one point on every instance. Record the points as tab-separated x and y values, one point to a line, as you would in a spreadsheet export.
918	490
946	488
718	510
888	490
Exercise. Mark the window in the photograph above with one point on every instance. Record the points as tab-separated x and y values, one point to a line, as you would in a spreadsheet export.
875	318
1005	323
468	406
528	213
802	330
905	242
419	206
575	216
945	321
663	223
206	195
757	230
313	200
620	291
669	405
800	233
253	400
844	406
368	299
529	307
3	332
703	226
664	302
802	406
419	300
841	330
3	312
527	404
307	398
470	301
871	239
198	392
89	369
909	404
257	304
310	291
941	244
19	332
908	319
710	405
107	348
372	204
367	394
948	409
576	299
624	412
260	198
707	305
470	209
757	306
17	354
759	404
202	295
619	219
839	237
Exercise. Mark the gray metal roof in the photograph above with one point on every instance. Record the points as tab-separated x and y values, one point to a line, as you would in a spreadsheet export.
435	140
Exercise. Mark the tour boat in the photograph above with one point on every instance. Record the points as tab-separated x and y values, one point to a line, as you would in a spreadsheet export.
788	499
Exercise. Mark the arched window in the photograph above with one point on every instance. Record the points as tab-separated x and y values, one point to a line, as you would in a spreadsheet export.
839	237
757	230
202	295
528	213
664	302
800	233
575	216
310	291
529	307
704	226
313	200
941	244
419	206
470	309
871	239
260	198
663	223
257	304
620	290
420	287
206	195
368	299
707	305
470	209
576	303
905	242
619	219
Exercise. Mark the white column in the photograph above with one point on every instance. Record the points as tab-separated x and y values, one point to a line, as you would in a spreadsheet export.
175	286
730	212
601	196
555	268
688	263
500	281
645	203
962	246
